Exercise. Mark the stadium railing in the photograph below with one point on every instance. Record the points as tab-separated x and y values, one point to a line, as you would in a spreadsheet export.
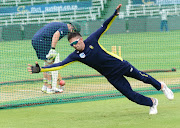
32	2
150	10
28	18
75	15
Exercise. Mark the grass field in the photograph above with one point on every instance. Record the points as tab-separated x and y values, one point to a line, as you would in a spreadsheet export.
114	113
147	50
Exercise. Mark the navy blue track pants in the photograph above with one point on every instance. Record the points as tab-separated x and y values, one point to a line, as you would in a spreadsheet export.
122	85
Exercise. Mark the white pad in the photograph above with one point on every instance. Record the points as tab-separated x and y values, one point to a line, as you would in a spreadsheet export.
55	73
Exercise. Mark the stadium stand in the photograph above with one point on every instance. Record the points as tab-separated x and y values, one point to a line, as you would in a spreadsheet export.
87	14
30	2
151	9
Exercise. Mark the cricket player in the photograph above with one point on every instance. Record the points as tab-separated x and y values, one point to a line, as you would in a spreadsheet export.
44	43
113	67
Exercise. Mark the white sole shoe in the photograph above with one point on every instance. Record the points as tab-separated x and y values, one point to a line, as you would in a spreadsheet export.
44	89
167	92
153	110
57	90
50	91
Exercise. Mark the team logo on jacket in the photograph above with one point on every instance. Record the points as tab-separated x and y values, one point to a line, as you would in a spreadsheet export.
91	47
82	55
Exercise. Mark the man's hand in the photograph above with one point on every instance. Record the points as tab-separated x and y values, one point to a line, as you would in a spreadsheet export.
51	55
34	69
118	9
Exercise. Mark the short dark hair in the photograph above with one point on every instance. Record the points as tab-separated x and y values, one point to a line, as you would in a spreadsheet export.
73	34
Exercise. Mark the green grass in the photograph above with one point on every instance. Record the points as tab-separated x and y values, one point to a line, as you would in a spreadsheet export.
114	113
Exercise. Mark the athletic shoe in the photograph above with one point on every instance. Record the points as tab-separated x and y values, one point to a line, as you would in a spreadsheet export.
57	90
62	87
167	92
44	89
153	110
50	91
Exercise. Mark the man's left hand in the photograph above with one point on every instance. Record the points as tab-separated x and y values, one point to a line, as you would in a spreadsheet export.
118	9
51	55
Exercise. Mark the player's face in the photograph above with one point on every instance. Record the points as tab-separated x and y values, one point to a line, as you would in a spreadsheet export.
77	43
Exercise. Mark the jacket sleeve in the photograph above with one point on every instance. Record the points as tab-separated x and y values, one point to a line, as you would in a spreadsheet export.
105	26
58	66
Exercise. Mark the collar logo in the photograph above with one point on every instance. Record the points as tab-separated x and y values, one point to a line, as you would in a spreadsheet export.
91	47
82	55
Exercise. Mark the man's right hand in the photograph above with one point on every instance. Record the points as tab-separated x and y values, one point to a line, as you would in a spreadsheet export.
34	69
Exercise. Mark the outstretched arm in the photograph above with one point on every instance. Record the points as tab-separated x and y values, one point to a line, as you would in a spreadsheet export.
58	66
52	67
106	25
